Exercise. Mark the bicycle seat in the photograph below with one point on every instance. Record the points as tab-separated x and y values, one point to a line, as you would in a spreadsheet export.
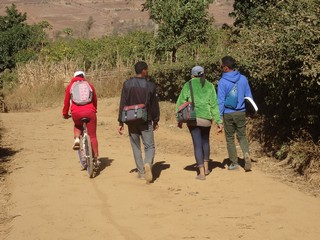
86	120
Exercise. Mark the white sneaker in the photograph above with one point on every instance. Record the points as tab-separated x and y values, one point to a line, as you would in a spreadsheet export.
96	161
76	144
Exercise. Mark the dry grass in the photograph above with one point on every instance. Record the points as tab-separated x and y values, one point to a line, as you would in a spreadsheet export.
304	157
296	163
42	72
32	98
42	83
168	112
108	83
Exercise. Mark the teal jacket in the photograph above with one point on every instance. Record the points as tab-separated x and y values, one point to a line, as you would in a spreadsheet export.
205	99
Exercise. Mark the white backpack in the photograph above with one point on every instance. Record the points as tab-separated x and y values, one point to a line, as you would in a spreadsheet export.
81	93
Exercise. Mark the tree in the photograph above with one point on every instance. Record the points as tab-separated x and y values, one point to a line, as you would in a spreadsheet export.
247	12
280	50
18	40
179	22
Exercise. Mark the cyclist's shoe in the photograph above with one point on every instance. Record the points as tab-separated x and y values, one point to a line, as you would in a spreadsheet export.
148	176
96	163
76	144
247	162
233	166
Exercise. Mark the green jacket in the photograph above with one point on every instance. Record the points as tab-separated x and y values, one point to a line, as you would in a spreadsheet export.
205	99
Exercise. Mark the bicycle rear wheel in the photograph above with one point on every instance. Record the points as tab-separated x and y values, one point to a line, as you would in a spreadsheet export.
88	154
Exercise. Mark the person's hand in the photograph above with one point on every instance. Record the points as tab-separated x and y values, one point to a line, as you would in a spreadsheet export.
120	129
179	124
155	126
220	128
66	116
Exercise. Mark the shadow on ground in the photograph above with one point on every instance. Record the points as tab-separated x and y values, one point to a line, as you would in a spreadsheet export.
212	165
157	168
105	162
241	162
5	154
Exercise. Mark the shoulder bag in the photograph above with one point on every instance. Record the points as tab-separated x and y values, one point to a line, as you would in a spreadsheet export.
135	114
186	111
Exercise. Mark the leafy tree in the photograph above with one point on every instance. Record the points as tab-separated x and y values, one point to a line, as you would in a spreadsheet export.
281	52
179	22
18	40
247	12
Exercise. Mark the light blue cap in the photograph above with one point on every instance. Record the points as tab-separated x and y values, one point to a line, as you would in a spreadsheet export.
197	71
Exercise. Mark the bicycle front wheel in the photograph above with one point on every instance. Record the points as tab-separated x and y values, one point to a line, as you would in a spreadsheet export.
82	155
88	154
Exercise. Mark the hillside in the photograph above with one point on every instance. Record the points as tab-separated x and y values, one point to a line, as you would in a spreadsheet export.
108	16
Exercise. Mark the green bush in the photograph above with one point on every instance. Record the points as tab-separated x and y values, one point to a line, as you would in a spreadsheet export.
171	77
280	52
8	79
111	51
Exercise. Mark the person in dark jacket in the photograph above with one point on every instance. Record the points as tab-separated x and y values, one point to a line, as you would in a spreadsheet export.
138	90
234	118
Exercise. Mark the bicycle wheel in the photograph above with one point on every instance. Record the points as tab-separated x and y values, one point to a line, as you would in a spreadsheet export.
82	156
88	154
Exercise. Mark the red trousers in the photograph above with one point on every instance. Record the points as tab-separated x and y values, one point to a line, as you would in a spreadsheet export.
91	127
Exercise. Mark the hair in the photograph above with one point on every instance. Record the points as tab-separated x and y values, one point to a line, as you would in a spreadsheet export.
140	66
202	80
199	75
80	75
229	62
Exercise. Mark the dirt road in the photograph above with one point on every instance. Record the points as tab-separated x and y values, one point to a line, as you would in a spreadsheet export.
50	198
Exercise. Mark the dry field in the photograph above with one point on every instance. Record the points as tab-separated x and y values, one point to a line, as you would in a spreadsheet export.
109	16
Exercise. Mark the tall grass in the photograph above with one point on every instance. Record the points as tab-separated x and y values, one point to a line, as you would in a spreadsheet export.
42	83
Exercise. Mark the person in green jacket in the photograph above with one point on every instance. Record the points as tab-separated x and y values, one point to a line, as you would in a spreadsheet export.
207	109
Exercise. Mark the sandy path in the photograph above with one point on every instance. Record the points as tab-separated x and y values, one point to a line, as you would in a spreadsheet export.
52	199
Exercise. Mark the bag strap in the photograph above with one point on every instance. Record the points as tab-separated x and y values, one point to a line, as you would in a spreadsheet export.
234	85
191	93
147	96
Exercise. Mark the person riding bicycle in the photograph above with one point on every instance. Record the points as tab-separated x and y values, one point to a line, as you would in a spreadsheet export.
81	98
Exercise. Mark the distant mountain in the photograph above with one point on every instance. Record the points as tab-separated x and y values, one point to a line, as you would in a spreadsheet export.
99	17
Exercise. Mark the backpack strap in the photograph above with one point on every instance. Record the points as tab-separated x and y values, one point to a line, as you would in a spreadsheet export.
191	94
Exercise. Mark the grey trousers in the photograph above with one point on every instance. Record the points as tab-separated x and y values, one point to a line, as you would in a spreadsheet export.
145	133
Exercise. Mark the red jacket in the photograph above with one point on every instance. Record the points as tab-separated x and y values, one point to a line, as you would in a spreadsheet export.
75	108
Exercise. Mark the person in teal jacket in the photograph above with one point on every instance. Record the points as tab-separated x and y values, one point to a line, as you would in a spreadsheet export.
207	110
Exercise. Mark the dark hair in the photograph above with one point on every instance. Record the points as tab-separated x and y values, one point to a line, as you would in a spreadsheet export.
80	75
202	80
140	66
229	62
